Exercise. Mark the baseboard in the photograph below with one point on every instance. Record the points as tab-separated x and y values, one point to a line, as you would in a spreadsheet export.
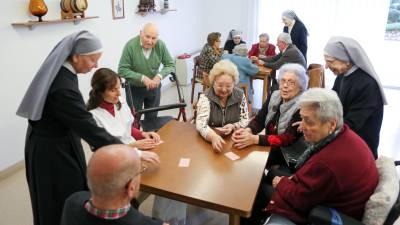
12	169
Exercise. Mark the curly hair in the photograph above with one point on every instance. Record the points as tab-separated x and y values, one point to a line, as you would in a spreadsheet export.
102	80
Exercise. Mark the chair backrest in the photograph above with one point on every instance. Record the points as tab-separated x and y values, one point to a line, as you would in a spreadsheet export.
316	74
197	71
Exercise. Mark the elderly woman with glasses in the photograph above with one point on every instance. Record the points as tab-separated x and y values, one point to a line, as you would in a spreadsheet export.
211	52
277	115
337	170
358	87
223	106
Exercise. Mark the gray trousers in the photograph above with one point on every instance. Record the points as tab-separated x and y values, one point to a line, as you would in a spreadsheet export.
149	98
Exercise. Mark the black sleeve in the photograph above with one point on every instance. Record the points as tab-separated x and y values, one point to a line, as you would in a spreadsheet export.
258	123
70	109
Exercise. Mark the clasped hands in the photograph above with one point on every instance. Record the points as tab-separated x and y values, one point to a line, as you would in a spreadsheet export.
151	140
241	137
257	60
151	83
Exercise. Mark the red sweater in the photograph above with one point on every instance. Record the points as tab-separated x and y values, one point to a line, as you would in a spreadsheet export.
342	175
255	50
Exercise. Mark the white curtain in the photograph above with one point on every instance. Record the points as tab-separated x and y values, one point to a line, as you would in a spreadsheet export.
363	20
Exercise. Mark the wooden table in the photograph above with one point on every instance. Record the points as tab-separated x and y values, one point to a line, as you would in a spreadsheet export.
212	180
264	74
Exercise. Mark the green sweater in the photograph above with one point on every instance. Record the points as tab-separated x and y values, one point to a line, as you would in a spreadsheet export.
133	64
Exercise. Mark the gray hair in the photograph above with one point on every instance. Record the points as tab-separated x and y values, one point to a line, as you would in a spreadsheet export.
240	49
285	37
264	35
326	104
298	70
290	14
224	67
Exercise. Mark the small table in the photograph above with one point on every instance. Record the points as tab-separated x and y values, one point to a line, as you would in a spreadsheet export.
264	74
212	180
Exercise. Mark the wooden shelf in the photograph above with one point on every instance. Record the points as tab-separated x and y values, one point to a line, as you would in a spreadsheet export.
162	11
32	24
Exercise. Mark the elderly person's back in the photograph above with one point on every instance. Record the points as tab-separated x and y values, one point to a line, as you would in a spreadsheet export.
277	115
245	67
358	87
337	170
223	106
211	52
114	180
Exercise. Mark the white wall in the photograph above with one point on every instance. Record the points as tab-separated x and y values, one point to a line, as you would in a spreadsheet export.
22	50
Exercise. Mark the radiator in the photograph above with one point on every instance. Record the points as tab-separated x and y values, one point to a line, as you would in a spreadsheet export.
184	69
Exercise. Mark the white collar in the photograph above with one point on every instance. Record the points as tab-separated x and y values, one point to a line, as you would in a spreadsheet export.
68	65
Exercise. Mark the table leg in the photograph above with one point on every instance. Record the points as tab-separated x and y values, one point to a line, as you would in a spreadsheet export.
265	89
234	219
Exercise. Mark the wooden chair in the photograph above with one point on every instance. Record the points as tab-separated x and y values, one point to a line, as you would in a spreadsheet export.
198	76
316	73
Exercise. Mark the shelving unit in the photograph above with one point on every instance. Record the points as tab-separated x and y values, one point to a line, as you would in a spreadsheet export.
162	11
31	24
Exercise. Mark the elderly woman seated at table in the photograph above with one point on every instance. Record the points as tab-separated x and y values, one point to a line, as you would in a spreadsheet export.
337	170
211	52
262	49
246	68
277	115
223	106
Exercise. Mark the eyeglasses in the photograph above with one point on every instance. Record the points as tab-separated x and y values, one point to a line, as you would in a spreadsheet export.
289	83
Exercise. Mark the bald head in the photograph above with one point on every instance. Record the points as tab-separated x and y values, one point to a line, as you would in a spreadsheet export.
149	35
110	169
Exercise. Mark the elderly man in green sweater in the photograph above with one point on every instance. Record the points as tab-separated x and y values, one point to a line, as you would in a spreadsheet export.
140	63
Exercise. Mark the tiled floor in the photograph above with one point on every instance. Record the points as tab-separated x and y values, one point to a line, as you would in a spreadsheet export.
14	198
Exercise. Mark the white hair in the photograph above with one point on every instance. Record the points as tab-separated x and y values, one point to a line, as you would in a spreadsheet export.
224	67
326	103
285	37
298	70
264	35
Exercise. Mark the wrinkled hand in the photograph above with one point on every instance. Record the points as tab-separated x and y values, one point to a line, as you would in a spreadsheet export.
299	129
227	129
217	142
157	81
148	83
243	138
254	59
152	135
150	157
260	62
144	144
276	181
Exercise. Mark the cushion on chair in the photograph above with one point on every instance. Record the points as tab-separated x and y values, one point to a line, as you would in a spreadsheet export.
382	200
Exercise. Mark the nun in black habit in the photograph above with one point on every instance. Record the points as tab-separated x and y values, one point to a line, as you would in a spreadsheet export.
358	88
58	119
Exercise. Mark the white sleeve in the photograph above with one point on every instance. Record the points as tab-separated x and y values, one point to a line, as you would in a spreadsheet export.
244	113
203	115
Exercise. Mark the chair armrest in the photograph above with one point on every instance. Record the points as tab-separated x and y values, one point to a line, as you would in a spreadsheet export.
161	108
322	215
